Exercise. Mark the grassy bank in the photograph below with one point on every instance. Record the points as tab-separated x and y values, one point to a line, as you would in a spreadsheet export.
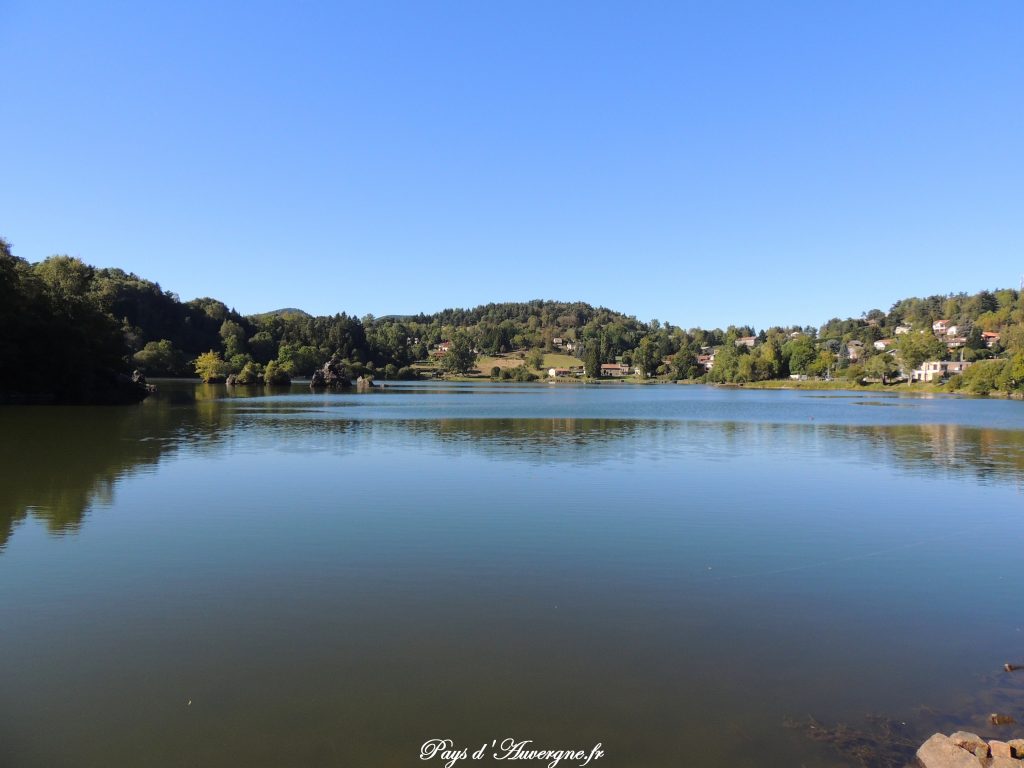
918	388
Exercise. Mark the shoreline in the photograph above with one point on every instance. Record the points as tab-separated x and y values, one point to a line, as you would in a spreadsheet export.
903	388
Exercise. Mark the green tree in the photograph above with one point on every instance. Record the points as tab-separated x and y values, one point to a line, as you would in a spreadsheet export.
1011	377
882	367
262	347
770	360
211	367
684	364
460	357
912	349
801	354
233	336
727	362
276	375
251	373
298	360
535	358
160	358
647	357
822	364
592	359
983	377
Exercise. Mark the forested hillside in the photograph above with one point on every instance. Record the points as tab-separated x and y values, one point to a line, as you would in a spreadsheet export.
71	329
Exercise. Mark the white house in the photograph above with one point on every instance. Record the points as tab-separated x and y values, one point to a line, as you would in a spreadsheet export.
936	370
903	329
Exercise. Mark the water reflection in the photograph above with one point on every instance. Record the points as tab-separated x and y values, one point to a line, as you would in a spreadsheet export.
60	462
334	579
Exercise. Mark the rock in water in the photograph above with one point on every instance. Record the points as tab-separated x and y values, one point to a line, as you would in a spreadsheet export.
335	374
942	752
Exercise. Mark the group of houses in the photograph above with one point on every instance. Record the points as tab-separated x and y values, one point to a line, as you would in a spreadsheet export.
612	370
953	335
932	370
567	345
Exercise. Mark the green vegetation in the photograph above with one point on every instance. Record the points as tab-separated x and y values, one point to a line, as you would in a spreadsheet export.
59	343
276	375
553	360
210	367
460	357
73	332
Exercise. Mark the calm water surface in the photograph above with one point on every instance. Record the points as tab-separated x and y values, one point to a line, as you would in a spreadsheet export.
334	579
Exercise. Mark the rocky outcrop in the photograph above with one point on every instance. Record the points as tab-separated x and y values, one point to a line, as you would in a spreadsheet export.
968	750
335	374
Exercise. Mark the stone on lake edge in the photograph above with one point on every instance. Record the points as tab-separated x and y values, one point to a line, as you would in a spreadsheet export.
967	750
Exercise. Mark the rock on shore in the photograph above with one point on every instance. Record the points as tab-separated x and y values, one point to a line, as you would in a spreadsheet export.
968	750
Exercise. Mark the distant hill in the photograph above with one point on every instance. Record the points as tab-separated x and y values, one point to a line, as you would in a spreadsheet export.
286	312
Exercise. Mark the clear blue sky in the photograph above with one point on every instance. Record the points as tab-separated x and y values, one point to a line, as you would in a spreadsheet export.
702	163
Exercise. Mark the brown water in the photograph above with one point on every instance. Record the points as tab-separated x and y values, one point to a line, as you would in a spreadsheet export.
302	579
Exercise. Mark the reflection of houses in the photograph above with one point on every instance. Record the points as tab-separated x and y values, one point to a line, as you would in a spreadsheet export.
746	341
614	369
936	370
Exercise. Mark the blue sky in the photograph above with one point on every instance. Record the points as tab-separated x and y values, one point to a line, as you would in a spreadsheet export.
700	163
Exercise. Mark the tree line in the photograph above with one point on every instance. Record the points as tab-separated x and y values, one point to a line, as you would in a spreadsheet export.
72	329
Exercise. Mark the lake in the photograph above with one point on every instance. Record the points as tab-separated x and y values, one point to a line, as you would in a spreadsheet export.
675	572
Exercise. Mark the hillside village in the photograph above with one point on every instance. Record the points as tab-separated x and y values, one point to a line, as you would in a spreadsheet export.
931	341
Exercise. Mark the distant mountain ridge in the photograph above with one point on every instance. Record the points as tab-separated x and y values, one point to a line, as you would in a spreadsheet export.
284	312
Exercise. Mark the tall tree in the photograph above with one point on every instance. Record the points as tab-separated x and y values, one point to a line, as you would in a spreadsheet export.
460	356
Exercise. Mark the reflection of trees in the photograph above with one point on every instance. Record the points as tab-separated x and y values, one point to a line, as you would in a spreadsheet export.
542	439
985	454
58	462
